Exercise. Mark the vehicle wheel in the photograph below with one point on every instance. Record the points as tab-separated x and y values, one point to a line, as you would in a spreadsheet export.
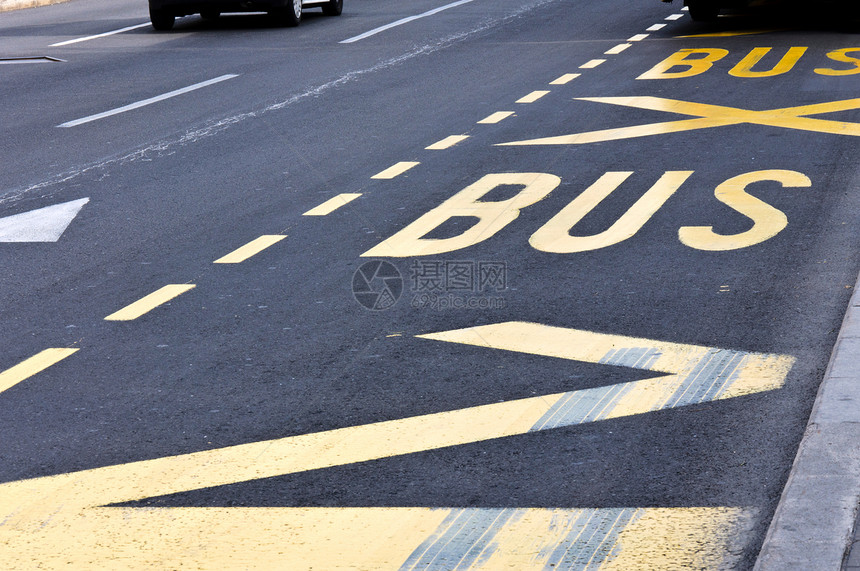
333	8
210	14
703	10
162	20
290	15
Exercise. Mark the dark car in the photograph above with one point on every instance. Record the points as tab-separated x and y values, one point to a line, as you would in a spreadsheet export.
709	10
285	12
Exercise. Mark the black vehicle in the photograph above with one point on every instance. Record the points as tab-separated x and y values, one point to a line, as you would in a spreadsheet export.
709	10
162	13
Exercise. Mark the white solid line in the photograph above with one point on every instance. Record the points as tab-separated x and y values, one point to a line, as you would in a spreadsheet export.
78	40
656	27
149	101
404	21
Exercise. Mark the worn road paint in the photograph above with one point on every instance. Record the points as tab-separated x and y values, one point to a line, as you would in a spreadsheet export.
447	142
250	249
150	302
395	170
62	521
496	117
32	366
332	204
42	225
709	116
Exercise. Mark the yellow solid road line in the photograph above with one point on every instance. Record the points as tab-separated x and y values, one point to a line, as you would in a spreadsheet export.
447	142
252	248
565	79
332	204
532	97
29	367
395	170
150	302
495	117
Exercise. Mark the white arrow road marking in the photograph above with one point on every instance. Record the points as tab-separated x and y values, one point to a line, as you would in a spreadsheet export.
42	225
66	520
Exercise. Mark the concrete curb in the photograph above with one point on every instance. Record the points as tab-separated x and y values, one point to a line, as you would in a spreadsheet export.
814	522
7	5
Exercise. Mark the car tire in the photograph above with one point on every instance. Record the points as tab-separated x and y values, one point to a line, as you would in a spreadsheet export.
333	8
703	10
162	20
288	16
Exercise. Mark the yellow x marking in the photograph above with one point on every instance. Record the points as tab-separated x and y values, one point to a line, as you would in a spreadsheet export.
708	116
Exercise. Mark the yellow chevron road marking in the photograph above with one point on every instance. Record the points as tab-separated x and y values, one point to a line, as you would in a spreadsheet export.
62	520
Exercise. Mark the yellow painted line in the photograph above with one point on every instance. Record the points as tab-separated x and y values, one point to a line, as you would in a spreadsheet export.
532	97
150	302
638	37
592	64
565	79
447	142
395	170
340	539
250	249
709	116
495	117
332	204
617	49
733	34
32	366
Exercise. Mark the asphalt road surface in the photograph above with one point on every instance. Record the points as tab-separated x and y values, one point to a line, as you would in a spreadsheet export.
515	284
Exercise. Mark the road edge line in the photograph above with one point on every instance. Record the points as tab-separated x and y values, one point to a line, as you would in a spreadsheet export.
813	525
